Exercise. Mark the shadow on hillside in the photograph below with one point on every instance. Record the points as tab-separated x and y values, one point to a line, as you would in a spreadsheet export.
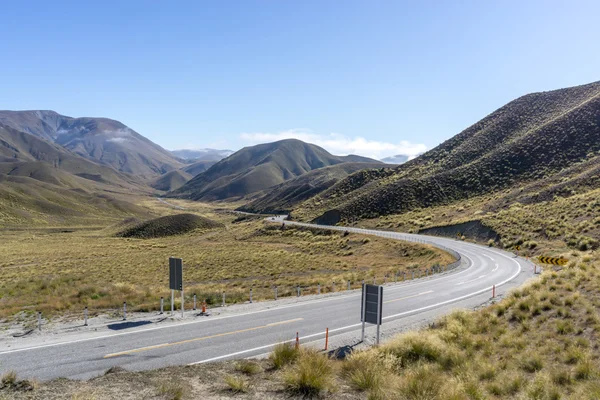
126	325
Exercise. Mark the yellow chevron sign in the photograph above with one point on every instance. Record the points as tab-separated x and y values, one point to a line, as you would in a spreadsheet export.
552	260
517	248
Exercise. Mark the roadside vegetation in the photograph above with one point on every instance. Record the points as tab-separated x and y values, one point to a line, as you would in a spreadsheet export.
538	342
61	270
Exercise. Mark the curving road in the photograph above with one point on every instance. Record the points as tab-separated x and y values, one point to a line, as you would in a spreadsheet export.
255	332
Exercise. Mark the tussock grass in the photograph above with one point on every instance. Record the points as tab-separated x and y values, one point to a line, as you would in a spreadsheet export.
283	354
312	374
61	273
174	390
248	367
237	384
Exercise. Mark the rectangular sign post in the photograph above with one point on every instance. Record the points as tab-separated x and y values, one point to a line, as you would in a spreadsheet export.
371	307
176	280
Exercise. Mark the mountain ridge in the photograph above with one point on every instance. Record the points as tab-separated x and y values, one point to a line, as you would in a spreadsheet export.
530	138
256	168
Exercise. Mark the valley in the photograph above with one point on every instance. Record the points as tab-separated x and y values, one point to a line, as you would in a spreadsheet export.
83	227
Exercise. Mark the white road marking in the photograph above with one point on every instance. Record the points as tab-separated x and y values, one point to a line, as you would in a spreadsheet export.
359	324
495	267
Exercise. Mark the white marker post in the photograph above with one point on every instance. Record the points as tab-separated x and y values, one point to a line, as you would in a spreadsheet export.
85	317
172	302
364	313
379	312
124	311
182	301
39	321
162	305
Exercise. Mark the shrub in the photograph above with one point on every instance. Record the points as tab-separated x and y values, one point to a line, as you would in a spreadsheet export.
311	375
283	354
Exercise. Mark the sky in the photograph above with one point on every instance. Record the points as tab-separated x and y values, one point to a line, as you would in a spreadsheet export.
375	78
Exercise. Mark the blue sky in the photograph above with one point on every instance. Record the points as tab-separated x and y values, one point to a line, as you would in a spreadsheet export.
368	77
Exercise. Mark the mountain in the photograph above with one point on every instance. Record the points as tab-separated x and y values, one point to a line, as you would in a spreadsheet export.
18	147
284	197
256	168
397	159
198	167
171	180
42	182
103	140
202	154
530	141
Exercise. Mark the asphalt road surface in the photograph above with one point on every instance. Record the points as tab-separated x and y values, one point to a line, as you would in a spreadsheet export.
256	332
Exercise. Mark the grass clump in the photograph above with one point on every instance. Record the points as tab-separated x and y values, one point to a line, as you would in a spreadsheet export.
9	381
248	367
312	375
370	371
283	354
237	384
174	390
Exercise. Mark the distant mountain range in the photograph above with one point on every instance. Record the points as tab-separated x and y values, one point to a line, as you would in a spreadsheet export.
256	168
533	149
397	159
202	154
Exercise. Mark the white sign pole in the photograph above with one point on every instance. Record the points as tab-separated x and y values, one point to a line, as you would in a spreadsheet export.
379	311
172	302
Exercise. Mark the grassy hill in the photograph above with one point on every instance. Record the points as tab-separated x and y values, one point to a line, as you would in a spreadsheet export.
529	141
169	225
171	180
257	168
103	140
198	167
286	196
42	182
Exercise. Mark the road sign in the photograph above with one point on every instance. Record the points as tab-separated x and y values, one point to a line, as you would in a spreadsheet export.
175	273
517	248
371	307
553	260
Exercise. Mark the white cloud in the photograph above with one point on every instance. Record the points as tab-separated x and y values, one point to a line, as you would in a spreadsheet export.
339	144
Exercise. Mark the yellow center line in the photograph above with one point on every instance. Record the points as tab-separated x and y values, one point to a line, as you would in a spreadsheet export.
159	346
408	297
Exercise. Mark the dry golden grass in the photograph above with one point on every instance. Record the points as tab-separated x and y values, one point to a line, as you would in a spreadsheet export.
52	271
513	349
